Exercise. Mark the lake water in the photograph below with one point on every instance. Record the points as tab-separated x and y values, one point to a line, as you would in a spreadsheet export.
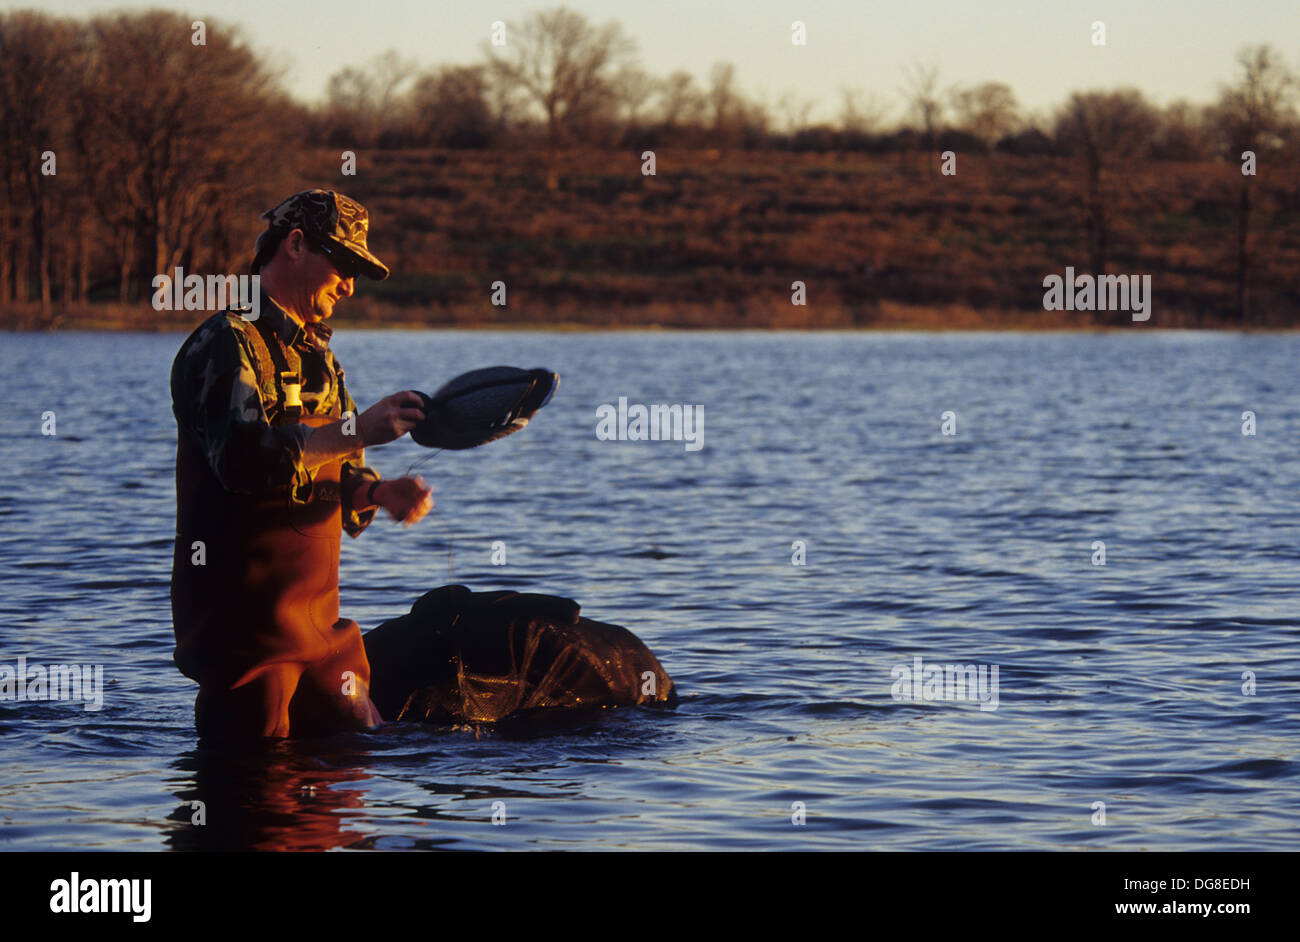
1120	683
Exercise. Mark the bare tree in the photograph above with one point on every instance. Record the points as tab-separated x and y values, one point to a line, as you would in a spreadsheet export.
633	89
793	111
921	93
1105	129
1183	133
451	106
989	110
38	58
725	103
680	101
348	97
862	112
564	65
1253	115
364	102
732	118
166	129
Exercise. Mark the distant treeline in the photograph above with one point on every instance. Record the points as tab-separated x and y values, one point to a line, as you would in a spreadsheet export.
137	142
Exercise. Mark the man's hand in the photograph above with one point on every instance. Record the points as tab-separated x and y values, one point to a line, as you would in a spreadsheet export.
390	418
387	420
406	499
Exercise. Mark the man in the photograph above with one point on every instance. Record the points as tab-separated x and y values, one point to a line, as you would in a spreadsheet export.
270	471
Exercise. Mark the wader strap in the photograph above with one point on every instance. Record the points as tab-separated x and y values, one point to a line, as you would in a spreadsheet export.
272	370
271	352
343	393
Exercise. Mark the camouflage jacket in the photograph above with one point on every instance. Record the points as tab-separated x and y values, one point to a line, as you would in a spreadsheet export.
223	398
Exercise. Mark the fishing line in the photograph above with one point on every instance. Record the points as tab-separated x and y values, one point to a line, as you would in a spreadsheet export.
449	537
419	461
450	540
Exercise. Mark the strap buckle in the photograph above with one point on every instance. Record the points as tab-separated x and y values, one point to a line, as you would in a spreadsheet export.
291	385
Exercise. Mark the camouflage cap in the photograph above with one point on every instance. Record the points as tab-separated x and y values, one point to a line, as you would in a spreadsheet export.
329	217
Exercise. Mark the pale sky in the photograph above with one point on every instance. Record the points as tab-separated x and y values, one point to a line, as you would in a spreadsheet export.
1168	48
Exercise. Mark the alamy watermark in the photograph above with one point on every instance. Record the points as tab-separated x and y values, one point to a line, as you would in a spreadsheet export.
1085	292
57	682
78	895
976	683
181	292
655	423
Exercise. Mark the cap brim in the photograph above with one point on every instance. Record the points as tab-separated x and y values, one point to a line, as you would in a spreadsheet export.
371	266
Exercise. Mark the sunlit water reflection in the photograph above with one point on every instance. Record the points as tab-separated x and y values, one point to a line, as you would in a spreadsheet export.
1120	684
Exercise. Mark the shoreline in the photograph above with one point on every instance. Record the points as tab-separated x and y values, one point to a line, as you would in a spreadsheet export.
889	317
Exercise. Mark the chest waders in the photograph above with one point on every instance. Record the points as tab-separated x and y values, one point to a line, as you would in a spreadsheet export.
257	624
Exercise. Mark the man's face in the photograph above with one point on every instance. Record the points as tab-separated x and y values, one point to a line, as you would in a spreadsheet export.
324	285
317	284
